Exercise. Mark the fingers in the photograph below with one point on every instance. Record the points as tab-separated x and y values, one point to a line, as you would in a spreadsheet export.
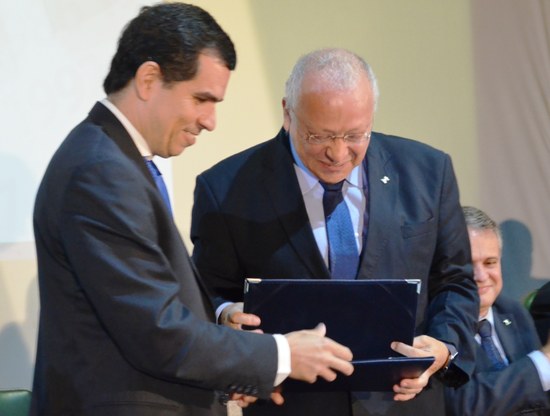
403	397
407	389
234	317
240	318
423	346
434	348
243	400
277	396
406	350
313	355
320	329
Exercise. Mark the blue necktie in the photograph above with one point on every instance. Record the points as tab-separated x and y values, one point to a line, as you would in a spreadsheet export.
343	254
157	176
485	329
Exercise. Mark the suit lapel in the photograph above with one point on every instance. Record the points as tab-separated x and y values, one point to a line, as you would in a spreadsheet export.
103	117
112	127
508	334
383	190
282	187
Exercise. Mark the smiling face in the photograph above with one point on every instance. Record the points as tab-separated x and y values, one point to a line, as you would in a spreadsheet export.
176	113
486	262
330	112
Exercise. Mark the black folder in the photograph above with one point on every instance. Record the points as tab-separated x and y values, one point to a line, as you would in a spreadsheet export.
364	315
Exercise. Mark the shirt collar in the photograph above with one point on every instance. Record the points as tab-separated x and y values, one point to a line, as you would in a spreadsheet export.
136	136
490	317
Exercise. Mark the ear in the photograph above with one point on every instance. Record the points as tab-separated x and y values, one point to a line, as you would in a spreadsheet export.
147	76
286	116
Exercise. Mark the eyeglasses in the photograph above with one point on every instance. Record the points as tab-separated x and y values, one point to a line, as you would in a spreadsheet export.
350	138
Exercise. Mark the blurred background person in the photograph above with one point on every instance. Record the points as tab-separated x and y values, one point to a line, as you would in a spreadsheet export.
512	374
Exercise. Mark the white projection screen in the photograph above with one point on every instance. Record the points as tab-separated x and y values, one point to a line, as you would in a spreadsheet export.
55	55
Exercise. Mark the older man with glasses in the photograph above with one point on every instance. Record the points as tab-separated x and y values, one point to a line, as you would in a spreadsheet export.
328	198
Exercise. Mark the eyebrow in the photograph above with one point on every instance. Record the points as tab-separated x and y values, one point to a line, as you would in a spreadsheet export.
208	96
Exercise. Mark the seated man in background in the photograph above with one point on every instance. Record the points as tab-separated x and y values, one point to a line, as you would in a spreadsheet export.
540	311
512	372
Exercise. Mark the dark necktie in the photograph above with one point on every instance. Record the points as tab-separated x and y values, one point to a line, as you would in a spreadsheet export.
343	254
157	176
485	329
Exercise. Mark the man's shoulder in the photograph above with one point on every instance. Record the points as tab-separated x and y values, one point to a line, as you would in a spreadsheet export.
507	305
251	158
412	158
86	143
402	145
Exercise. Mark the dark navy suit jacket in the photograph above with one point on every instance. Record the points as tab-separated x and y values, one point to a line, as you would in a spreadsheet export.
540	311
516	389
249	220
125	324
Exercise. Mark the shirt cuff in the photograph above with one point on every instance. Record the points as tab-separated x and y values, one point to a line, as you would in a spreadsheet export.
283	363
220	309
543	368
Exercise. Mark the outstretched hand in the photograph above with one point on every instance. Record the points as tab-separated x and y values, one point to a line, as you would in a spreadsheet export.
313	355
423	346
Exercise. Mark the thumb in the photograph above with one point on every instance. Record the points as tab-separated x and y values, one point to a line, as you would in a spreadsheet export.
320	329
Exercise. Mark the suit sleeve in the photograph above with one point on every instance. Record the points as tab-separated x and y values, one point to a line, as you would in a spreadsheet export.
505	392
540	311
515	389
214	252
115	239
454	301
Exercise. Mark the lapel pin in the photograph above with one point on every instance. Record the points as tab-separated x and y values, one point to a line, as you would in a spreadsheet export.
385	180
507	322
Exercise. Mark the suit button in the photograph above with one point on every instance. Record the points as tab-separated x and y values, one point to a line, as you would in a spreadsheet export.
223	399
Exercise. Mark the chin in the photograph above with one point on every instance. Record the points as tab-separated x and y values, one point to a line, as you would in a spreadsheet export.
329	176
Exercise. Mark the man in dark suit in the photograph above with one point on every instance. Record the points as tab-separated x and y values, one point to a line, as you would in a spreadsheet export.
540	311
512	376
126	327
260	214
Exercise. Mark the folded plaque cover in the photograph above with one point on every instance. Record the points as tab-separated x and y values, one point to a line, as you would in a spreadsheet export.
364	315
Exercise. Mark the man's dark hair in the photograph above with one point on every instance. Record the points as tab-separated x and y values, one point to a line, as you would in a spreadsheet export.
172	35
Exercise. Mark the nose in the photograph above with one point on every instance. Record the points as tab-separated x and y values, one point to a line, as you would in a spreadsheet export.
207	119
337	150
480	274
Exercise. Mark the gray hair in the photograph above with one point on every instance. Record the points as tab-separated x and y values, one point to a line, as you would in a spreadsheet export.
476	219
338	69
